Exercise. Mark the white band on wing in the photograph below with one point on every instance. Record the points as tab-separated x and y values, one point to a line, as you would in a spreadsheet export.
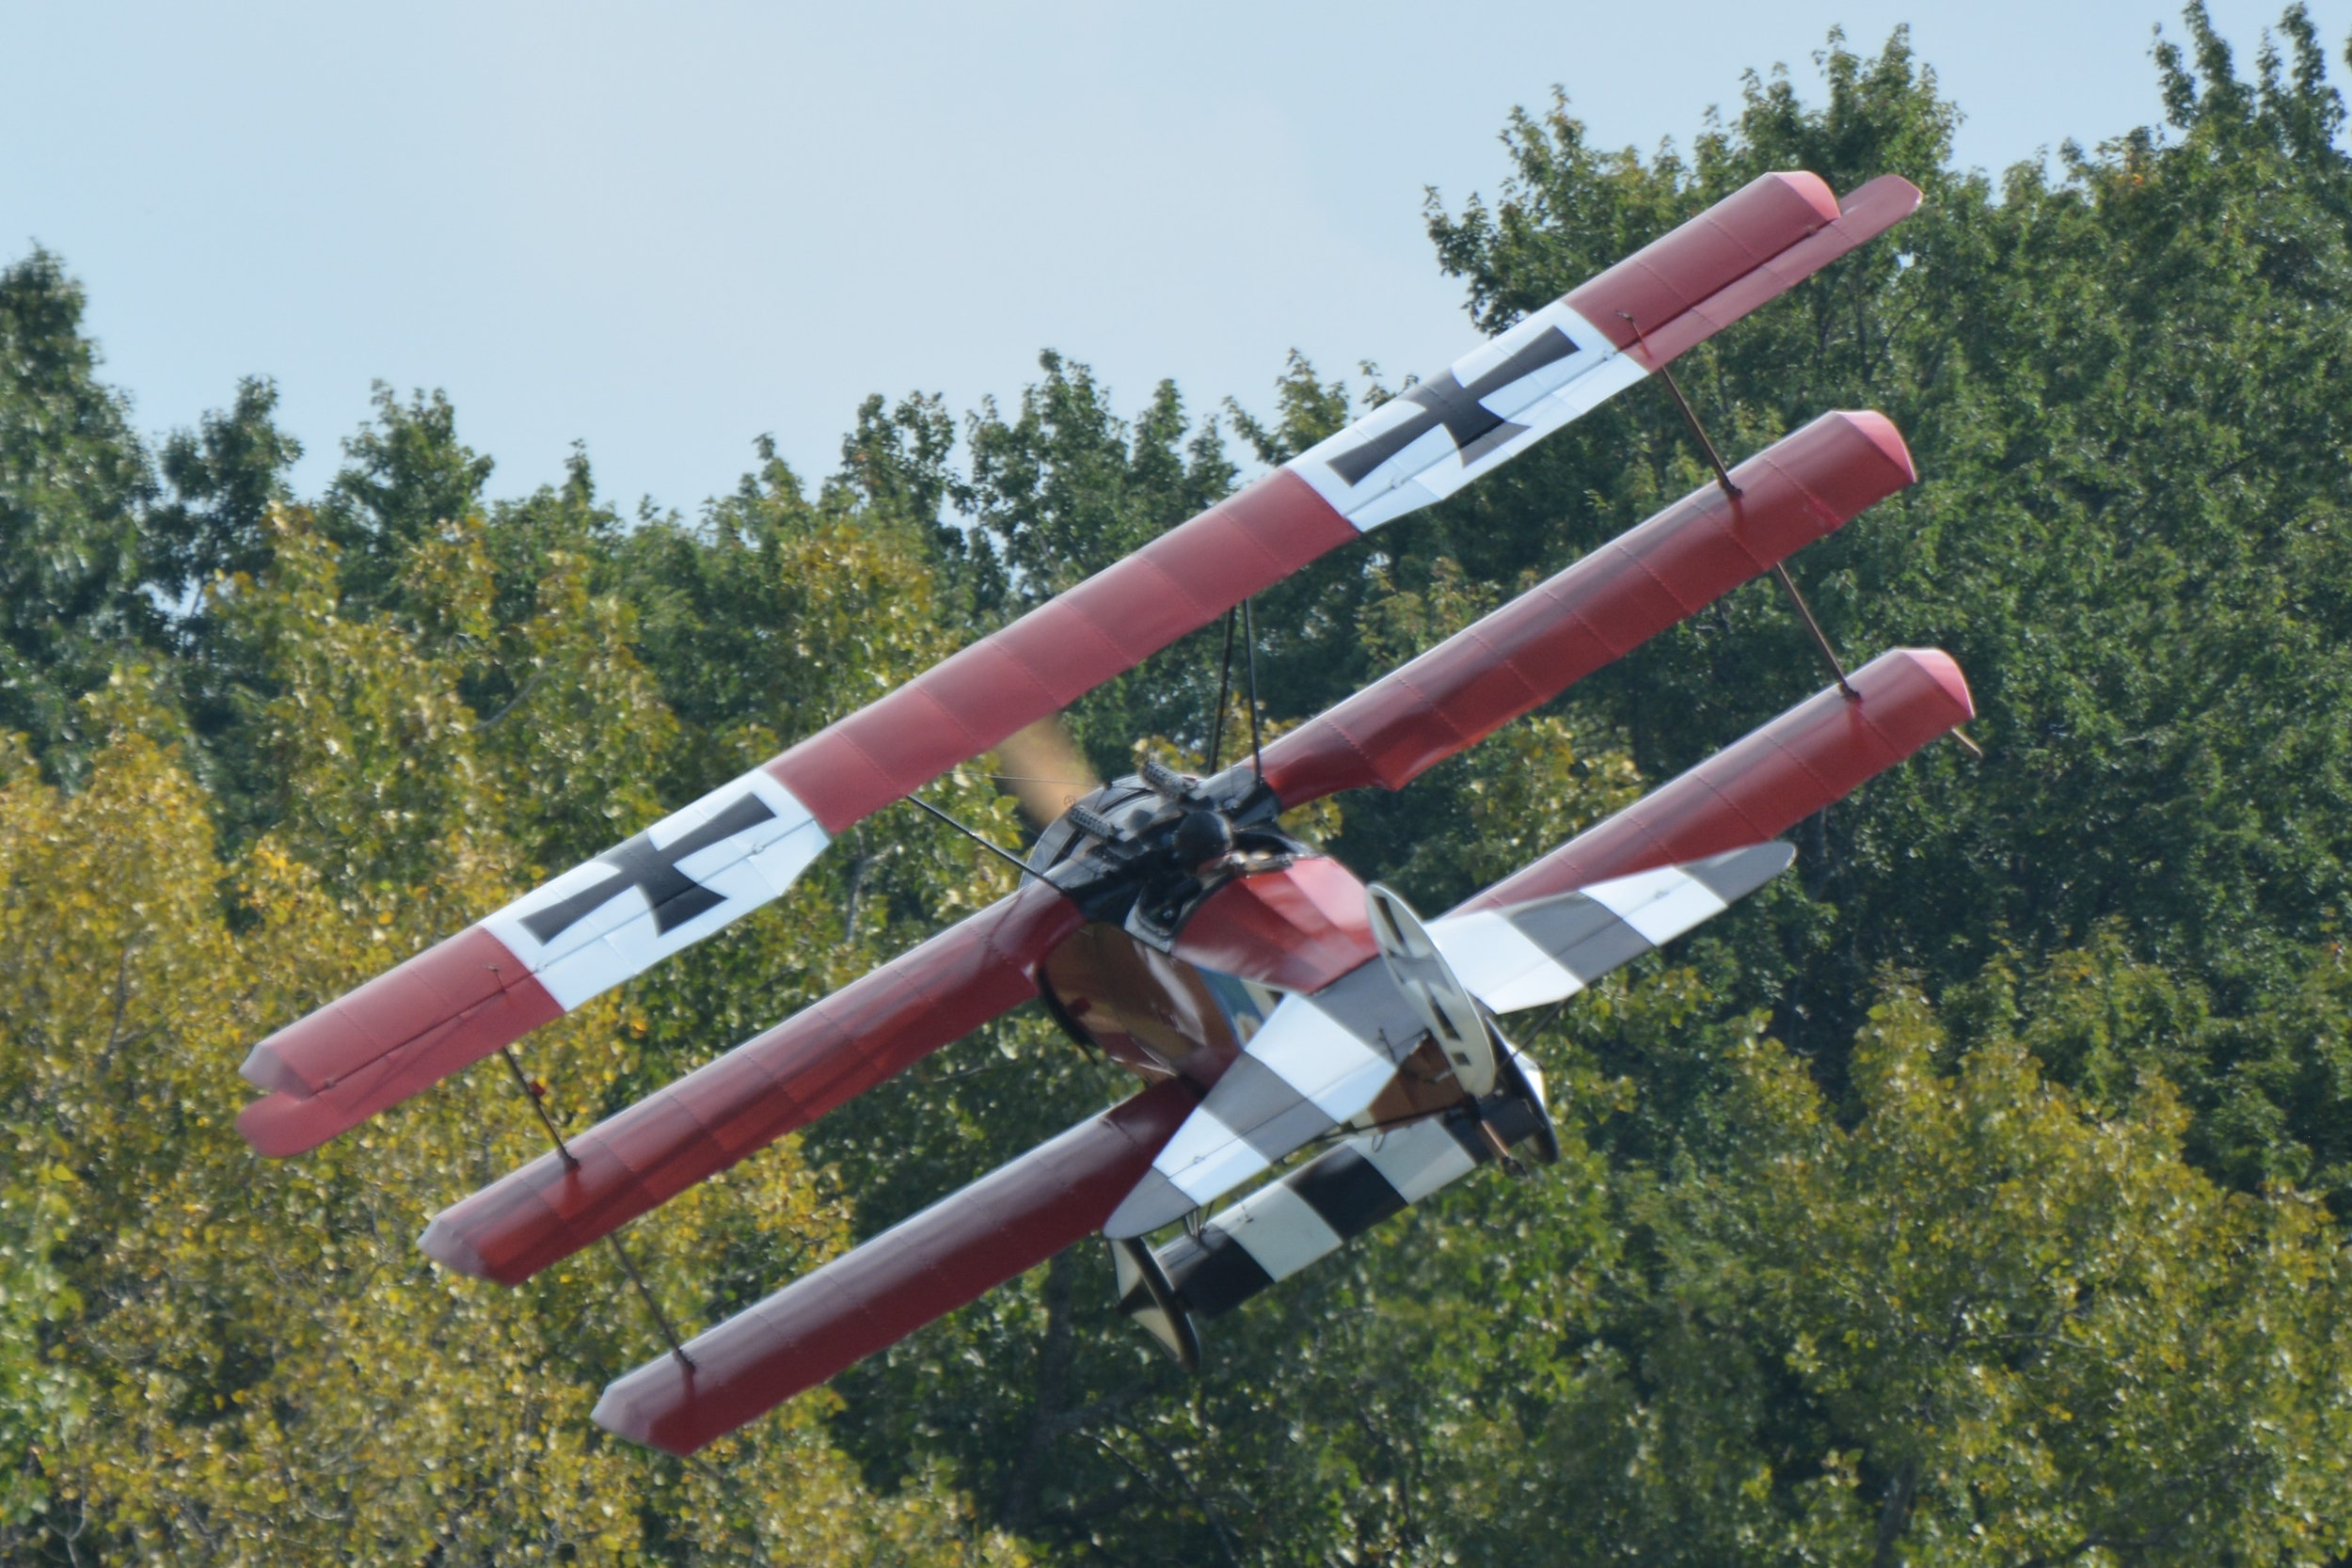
1479	412
694	871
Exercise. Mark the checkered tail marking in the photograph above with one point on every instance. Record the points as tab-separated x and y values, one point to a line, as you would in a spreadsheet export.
1321	1060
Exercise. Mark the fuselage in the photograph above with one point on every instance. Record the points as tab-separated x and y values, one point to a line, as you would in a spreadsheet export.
1180	963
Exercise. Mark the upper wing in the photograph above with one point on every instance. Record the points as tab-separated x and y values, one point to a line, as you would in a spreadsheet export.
743	844
1564	359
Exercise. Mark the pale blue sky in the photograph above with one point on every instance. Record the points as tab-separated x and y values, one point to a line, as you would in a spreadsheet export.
665	230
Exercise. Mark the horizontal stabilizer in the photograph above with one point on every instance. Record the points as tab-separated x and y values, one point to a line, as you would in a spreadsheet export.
1527	954
1331	1199
1342	1193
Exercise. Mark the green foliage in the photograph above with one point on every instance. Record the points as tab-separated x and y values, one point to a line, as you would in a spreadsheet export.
73	479
42	1401
1972	1195
1977	1325
224	479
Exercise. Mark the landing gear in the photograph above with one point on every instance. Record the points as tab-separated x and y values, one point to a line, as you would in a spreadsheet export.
1144	1294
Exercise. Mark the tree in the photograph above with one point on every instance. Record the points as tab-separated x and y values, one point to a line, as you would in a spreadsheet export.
223	478
73	482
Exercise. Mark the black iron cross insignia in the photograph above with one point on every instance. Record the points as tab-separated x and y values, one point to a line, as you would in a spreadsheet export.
675	898
1476	430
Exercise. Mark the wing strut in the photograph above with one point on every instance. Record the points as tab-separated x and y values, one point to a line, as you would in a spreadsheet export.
1732	493
1224	685
537	1094
1250	665
976	836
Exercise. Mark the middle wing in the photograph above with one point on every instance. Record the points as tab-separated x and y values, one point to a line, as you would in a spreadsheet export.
736	1105
1321	1060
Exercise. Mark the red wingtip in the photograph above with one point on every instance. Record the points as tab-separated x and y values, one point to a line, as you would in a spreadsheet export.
1809	187
1880	432
1939	669
265	1068
283	1125
1889	196
632	1413
1736	239
447	1245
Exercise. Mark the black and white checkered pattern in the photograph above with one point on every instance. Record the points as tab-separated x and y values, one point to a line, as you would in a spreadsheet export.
1338	1196
1527	954
1321	1060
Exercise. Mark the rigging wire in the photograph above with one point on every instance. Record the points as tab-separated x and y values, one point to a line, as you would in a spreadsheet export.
1723	481
537	1095
1249	646
990	844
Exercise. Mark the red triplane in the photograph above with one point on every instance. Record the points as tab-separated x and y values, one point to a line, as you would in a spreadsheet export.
1269	1000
